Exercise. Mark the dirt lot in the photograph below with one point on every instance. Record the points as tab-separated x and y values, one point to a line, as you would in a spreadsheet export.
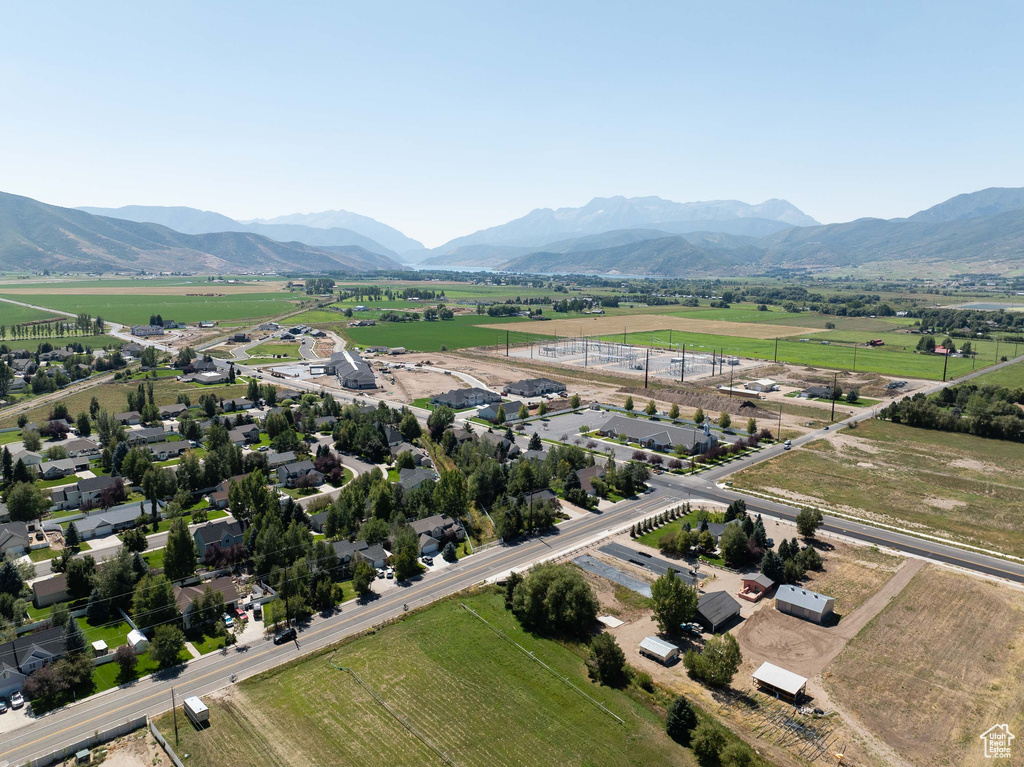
411	385
939	666
136	750
634	323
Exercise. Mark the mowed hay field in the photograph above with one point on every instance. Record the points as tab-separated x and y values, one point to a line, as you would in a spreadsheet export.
470	692
968	488
942	663
636	323
1011	376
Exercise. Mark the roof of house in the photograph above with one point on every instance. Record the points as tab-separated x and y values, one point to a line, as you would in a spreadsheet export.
46	587
93	484
817	391
760	579
173	409
186	595
412	478
280	459
345	549
129	414
81	445
665	434
11	533
461	398
808	600
115	515
587	474
780	678
540	496
299	467
658	646
429	524
64	464
14	653
213	532
532	386
716	607
155	431
352	369
375	553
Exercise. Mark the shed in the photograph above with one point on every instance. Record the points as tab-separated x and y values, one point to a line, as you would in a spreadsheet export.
137	641
716	609
196	710
659	650
779	682
99	648
755	586
801	603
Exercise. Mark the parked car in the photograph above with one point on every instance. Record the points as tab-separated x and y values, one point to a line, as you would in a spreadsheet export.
389	573
380	572
285	636
228	621
241	614
3	706
427	560
263	448
17	701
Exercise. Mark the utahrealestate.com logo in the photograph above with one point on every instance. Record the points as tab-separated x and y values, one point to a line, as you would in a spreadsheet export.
997	741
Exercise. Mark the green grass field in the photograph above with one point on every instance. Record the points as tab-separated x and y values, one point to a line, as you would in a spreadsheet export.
459	333
474	695
1011	376
132	310
885	360
955	485
12	314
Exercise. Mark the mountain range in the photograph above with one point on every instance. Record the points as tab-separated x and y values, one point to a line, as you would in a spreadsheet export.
980	231
36	236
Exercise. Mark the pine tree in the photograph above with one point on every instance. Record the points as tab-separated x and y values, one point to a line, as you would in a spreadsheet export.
74	639
71	538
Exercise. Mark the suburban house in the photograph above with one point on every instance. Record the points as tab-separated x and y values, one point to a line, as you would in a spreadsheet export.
546	495
506	447
98	524
318	521
460	399
62	467
25	654
238	403
289	474
186	597
27	457
222	534
352	370
280	459
801	603
85	492
76	448
147	330
436	531
405	447
209	378
244	435
325	423
817	392
375	555
173	411
345	550
200	366
716	609
755	586
219	497
534	387
48	591
14	538
586	476
410	479
654	435
489	413
164	451
147	436
131	418
761	384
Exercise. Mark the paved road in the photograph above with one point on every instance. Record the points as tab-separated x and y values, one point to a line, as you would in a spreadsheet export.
152	696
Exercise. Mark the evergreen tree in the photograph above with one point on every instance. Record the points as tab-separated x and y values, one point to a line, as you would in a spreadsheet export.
71	537
680	721
74	639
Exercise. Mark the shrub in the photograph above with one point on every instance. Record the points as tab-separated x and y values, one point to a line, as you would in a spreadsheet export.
680	721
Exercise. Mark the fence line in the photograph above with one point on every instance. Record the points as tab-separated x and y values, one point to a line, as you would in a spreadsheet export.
98	737
165	745
533	657
398	717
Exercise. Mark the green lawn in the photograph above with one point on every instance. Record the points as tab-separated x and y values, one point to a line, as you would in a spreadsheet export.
956	485
204	643
41	555
114	634
435	667
155	559
108	675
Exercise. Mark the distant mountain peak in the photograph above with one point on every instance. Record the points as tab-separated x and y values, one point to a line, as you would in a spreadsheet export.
386	235
986	202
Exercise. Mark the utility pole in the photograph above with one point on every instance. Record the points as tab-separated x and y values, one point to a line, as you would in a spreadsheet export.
647	367
780	423
835	382
682	365
997	351
586	351
506	343
945	362
776	348
855	358
731	369
174	708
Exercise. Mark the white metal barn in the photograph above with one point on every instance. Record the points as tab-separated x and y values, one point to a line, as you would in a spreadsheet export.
659	650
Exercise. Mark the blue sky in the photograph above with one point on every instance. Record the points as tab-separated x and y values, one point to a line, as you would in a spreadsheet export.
443	118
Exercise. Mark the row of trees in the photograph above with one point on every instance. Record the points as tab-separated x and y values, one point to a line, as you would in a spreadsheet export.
984	411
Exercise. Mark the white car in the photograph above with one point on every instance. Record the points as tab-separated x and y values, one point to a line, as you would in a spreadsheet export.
17	701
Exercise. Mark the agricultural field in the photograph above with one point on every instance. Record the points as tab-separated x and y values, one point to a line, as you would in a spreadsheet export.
136	307
12	314
474	695
1011	376
58	342
462	332
921	675
959	486
112	397
282	350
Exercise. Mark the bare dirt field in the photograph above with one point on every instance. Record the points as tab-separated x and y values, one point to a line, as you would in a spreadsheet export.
852	573
411	385
942	663
136	750
638	323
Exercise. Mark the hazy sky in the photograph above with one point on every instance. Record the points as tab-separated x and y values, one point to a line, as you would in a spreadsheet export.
442	118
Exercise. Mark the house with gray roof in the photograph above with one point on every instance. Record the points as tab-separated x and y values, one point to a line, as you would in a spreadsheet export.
410	479
460	399
280	459
147	436
85	492
61	467
129	418
289	474
223	534
436	531
352	370
716	609
534	387
25	654
655	435
14	538
246	434
103	522
81	446
172	411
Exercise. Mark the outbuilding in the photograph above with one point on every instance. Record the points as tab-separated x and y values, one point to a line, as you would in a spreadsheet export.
716	609
801	603
779	682
755	586
659	650
137	641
